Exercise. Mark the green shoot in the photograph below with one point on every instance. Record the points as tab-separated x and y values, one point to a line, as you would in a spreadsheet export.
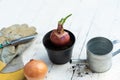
62	21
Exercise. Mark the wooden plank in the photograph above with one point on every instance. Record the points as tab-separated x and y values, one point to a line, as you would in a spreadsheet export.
104	25
79	26
23	11
9	11
90	18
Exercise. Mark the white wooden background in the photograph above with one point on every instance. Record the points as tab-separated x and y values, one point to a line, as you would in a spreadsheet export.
90	18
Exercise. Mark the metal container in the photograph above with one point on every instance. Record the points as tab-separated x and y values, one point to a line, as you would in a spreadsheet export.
99	54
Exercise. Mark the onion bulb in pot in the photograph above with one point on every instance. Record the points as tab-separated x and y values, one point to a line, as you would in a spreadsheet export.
35	70
59	36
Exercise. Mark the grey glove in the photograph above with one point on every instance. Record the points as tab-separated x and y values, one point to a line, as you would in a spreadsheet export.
14	32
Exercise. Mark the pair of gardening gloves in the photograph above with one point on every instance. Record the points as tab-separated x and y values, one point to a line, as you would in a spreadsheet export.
11	33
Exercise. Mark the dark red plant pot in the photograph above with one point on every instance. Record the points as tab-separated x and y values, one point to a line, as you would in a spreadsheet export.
57	54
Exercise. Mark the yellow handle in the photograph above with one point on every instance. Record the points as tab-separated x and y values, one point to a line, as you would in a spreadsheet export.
2	65
17	75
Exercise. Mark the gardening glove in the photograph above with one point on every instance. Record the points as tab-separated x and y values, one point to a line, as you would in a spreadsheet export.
11	33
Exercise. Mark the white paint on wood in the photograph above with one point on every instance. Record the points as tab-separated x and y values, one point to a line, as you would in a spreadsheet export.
90	18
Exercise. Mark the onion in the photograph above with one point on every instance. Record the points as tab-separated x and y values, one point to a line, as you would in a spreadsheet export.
35	70
59	36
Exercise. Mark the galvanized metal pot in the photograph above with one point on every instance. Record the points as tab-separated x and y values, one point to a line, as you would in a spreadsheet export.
99	54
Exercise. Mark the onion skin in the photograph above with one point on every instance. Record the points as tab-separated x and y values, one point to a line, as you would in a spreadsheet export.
59	36
35	70
60	39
